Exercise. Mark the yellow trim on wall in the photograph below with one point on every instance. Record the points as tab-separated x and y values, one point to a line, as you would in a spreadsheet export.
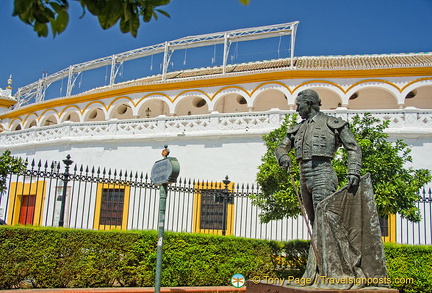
18	190
271	82
196	222
373	81
88	106
209	81
391	222
319	81
233	87
156	95
28	117
13	121
102	186
415	81
191	92
116	100
65	110
5	103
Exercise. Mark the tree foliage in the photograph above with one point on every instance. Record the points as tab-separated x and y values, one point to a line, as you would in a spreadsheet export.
396	184
44	15
8	165
277	198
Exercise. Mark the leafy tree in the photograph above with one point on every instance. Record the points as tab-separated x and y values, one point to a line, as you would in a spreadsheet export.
8	165
40	13
277	198
396	185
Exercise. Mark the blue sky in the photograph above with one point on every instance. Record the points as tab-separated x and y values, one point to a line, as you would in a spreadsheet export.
327	27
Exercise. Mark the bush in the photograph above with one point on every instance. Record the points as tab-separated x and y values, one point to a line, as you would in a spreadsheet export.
58	258
64	258
294	258
61	258
409	267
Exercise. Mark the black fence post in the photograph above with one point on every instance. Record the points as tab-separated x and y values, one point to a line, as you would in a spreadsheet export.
226	194
66	175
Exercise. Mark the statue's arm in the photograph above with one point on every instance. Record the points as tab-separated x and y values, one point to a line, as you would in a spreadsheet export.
282	150
354	158
353	149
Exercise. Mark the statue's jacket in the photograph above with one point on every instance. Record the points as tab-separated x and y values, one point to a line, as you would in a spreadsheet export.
320	137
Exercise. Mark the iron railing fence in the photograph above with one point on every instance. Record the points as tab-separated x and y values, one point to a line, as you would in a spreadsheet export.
85	197
416	233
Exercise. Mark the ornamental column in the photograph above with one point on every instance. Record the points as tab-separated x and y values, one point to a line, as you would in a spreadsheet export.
6	98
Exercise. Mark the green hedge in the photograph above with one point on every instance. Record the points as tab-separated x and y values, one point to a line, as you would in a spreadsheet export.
411	266
57	258
61	258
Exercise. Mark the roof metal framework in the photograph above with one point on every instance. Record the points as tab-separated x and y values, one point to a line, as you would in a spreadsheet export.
37	89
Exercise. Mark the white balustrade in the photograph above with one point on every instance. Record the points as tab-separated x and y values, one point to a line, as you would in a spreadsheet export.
402	122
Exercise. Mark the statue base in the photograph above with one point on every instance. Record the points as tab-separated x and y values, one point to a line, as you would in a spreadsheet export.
262	287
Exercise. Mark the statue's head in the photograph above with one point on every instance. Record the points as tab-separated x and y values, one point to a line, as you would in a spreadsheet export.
308	102
311	97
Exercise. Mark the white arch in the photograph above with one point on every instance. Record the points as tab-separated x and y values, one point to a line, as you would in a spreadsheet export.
189	95
414	86
113	107
327	86
145	100
15	124
69	110
399	99
230	90
272	86
231	102
271	99
30	118
95	106
43	119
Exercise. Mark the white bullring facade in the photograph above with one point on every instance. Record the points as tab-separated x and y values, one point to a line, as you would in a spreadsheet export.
213	123
213	118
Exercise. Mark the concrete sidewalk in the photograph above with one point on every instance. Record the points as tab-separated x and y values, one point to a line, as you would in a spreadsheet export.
221	289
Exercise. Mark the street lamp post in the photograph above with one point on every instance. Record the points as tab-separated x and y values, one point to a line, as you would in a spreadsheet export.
163	172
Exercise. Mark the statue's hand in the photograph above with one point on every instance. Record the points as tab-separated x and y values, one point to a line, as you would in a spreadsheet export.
353	183
285	162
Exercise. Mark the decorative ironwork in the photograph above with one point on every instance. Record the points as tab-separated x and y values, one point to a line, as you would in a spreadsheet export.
37	89
79	197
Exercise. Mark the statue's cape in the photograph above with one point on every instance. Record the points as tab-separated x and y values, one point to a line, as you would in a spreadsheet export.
348	239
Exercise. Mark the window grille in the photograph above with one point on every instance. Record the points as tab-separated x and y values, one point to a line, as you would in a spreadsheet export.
112	206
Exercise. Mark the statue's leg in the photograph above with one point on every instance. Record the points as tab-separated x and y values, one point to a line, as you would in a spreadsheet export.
318	180
324	183
305	184
308	204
